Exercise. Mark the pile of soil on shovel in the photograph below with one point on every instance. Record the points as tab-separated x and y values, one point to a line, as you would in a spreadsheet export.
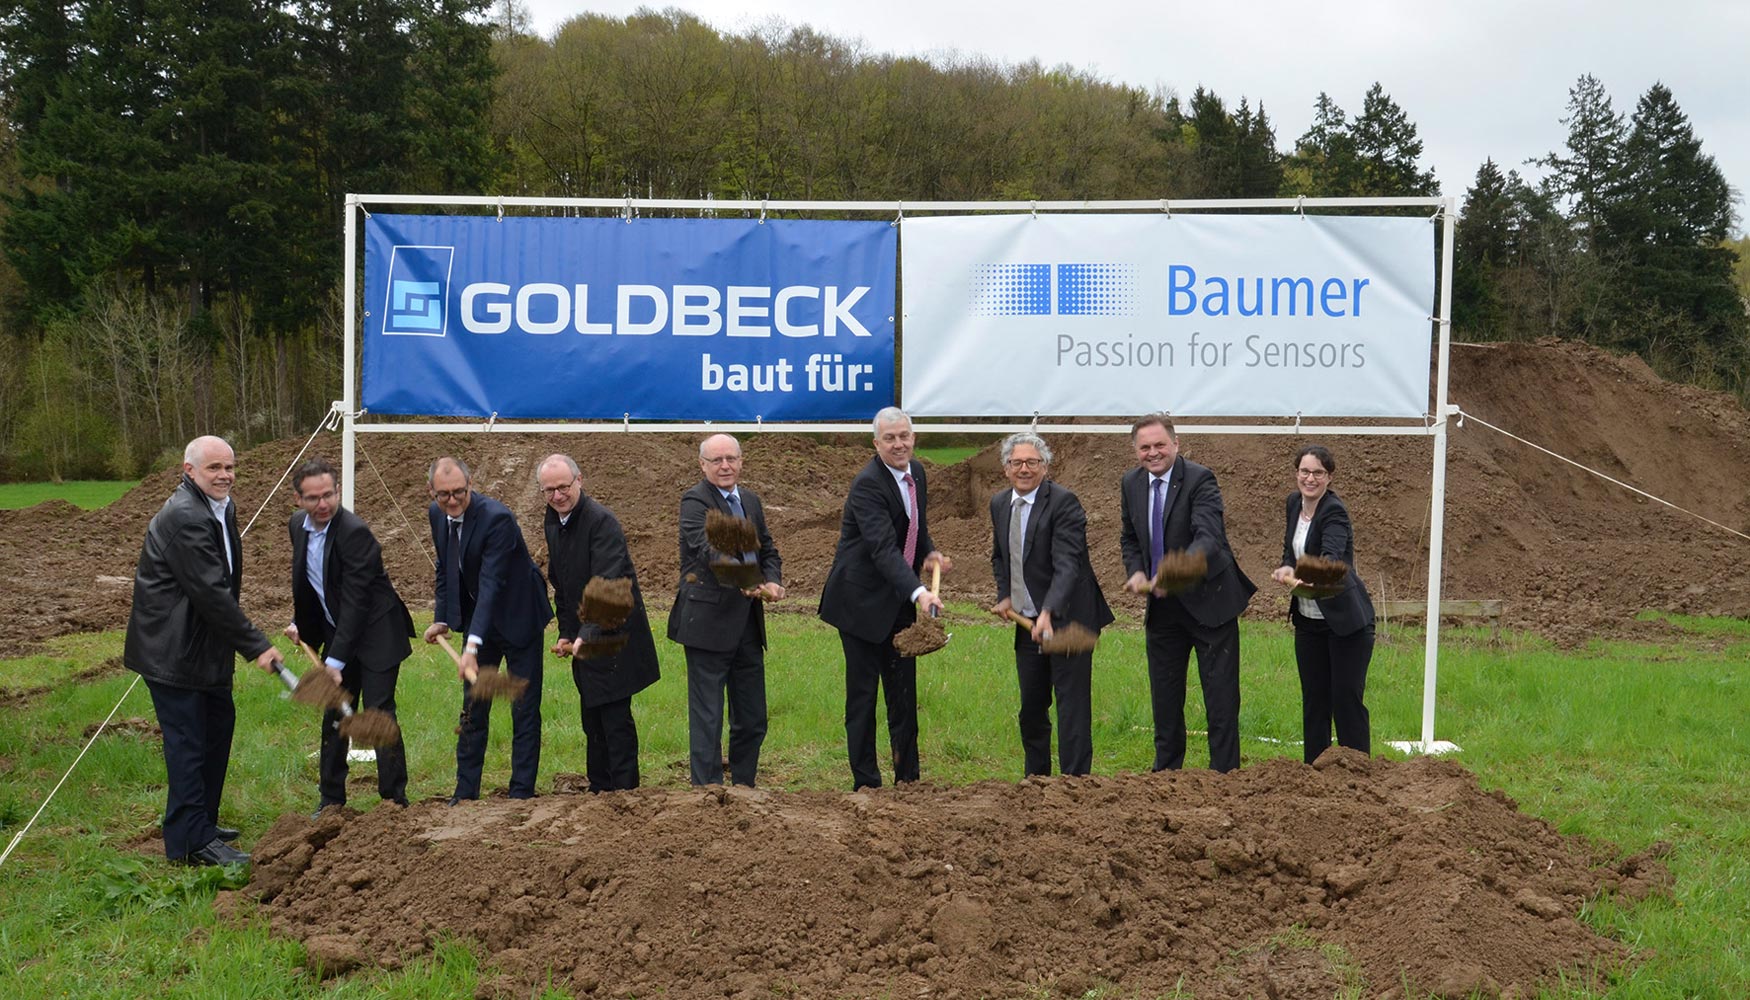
1281	881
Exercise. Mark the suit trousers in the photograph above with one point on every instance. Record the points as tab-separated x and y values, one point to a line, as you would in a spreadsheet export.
370	687
525	721
610	736
197	728
1070	678
1171	635
742	672
870	666
1333	682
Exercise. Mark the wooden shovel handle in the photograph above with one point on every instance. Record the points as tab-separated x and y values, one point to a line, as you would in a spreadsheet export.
936	577
444	641
1018	618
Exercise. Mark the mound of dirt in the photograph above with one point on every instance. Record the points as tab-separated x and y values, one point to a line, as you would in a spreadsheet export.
1570	555
1229	884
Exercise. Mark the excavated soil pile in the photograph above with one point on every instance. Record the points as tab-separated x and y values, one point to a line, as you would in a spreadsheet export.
1570	555
1228	885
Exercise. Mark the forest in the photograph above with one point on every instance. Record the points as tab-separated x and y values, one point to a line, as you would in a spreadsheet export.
172	175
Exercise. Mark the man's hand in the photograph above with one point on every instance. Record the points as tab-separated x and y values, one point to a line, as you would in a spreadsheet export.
1138	582
768	591
334	672
1042	626
928	601
1001	608
468	667
270	660
434	630
1285	575
292	632
937	557
562	647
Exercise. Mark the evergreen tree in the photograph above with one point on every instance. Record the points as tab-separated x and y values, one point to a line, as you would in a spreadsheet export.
1587	175
1386	150
1323	163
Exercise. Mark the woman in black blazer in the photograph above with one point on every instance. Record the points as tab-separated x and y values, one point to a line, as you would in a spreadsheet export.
1333	636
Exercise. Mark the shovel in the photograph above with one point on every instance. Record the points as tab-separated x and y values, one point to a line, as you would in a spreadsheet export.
923	636
1067	641
368	728
492	684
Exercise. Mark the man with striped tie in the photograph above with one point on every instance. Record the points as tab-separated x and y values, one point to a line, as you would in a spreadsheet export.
874	590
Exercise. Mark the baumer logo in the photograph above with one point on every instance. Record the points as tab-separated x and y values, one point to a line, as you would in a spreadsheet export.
419	281
1079	290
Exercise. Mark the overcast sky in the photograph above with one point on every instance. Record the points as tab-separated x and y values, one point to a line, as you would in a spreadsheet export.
1483	78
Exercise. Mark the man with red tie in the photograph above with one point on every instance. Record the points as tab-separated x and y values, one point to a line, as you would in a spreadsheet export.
1171	505
875	581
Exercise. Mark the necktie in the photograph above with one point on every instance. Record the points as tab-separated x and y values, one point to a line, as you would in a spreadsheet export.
735	508
1157	516
1018	596
911	528
453	578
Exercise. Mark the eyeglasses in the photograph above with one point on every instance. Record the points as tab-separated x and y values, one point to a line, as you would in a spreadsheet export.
553	491
1311	473
316	497
722	460
1026	463
456	494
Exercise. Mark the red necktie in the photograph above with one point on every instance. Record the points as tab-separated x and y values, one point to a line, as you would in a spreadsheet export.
911	528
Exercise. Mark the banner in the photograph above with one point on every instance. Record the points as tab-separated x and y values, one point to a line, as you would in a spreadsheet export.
1107	315
656	319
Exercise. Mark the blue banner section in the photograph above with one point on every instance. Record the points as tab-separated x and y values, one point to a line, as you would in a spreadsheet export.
661	319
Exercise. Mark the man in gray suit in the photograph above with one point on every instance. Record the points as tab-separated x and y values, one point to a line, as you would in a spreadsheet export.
723	629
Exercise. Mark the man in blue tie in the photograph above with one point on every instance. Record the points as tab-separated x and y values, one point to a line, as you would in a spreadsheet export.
489	590
722	628
1171	505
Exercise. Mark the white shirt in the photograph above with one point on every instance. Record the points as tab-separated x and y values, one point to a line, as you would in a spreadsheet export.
218	508
1307	607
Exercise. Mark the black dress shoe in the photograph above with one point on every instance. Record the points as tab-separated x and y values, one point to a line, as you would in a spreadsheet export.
457	800
217	852
318	813
227	834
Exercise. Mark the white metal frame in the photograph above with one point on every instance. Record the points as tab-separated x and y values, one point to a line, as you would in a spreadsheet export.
1434	426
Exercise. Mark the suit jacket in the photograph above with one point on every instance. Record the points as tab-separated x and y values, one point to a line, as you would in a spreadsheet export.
1054	557
371	624
1331	536
868	590
504	599
590	543
1194	524
185	628
707	614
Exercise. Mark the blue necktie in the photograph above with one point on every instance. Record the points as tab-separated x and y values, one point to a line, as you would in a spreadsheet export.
735	508
453	578
1157	515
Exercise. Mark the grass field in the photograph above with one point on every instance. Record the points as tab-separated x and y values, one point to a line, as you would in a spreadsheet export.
87	493
1623	742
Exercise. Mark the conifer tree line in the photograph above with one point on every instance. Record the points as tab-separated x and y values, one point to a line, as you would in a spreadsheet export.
172	177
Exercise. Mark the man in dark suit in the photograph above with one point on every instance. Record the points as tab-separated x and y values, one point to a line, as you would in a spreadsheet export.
723	629
1171	505
492	592
344	606
584	540
1039	557
870	593
184	631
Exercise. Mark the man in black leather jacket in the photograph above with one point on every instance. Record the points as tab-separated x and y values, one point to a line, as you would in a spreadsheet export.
184	632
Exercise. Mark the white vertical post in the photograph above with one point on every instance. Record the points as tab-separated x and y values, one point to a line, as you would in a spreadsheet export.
349	326
1437	514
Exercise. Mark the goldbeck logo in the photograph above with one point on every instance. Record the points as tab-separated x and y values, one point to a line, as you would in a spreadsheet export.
419	281
1092	289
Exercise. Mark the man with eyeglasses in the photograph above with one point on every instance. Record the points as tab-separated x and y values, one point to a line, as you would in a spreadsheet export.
1168	504
874	590
489	590
344	607
1039	557
722	628
584	540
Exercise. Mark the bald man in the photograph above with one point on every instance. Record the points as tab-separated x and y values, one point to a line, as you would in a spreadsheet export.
185	631
723	628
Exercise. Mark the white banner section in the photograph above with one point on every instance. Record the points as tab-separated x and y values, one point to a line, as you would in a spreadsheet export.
1200	315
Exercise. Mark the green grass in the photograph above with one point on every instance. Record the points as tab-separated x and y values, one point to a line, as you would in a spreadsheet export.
948	454
87	493
1622	742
